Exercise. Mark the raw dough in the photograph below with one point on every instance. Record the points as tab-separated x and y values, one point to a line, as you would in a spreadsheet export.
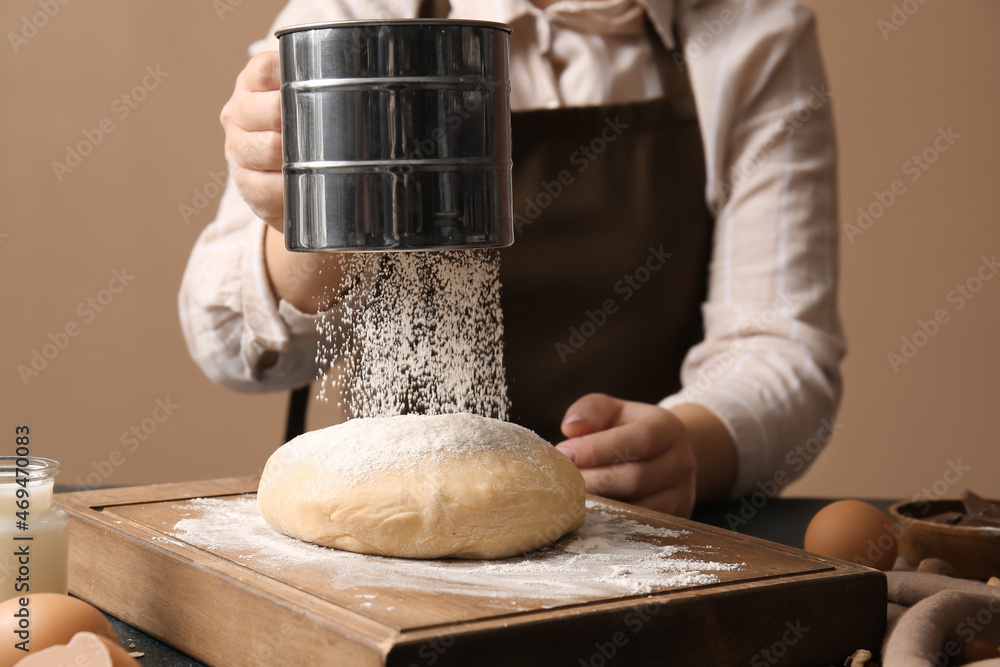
420	486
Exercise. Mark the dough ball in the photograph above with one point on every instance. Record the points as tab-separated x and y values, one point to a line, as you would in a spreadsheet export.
418	486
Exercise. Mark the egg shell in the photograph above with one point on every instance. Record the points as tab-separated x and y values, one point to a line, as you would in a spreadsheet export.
854	531
85	648
52	619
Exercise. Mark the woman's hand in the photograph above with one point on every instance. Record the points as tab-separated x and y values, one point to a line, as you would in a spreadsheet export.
648	455
252	121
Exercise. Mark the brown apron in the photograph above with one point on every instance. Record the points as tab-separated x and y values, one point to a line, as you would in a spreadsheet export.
590	302
602	289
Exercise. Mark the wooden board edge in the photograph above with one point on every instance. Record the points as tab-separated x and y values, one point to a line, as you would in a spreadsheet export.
847	577
694	630
151	493
141	538
200	596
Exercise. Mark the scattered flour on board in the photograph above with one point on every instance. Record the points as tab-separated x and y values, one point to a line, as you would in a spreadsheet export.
415	332
606	557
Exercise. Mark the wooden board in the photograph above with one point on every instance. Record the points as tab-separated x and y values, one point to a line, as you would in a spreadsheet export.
226	606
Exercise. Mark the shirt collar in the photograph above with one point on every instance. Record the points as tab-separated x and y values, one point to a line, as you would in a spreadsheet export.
586	16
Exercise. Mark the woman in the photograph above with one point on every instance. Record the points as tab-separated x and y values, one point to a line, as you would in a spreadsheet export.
673	160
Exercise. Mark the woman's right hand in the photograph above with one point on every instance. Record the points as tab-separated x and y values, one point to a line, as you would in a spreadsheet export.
252	121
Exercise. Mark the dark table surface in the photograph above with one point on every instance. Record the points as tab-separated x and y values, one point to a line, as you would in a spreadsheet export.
775	519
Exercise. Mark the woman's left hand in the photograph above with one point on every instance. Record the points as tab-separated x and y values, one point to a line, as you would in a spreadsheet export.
632	451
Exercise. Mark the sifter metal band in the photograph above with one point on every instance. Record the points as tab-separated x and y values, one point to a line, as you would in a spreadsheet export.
396	135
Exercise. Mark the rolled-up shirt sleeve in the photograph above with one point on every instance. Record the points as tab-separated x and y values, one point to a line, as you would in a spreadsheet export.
237	331
769	364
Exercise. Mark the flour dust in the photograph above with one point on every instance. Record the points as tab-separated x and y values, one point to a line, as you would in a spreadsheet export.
609	556
415	333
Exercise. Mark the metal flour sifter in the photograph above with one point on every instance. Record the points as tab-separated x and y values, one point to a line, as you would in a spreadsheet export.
396	135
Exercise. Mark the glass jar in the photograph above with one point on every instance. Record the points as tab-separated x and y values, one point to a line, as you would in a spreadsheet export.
34	535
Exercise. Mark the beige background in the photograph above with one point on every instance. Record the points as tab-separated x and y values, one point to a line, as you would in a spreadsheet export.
61	241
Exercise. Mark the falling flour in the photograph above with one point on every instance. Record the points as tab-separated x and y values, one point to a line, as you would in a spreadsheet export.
610	556
415	332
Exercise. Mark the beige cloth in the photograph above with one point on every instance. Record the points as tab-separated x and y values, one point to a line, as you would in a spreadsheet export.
932	617
769	364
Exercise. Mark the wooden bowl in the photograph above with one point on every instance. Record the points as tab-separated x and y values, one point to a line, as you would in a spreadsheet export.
974	552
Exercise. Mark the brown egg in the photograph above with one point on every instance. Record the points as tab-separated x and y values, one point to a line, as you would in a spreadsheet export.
48	619
85	648
854	531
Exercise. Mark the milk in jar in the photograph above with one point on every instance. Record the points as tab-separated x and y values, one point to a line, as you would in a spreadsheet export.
34	535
